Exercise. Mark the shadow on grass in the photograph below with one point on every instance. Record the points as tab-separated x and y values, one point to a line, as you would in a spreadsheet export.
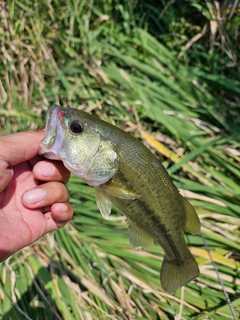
42	299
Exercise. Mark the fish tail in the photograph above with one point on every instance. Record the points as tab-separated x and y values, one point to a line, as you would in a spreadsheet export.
175	274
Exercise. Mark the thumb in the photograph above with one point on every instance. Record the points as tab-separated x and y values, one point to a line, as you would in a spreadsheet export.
5	177
14	149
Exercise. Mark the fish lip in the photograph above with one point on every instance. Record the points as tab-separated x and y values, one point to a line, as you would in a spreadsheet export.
55	117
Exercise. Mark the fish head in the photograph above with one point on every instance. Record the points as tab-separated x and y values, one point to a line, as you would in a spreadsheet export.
69	137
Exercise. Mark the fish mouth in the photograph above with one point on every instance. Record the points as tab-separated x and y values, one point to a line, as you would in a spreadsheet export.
51	144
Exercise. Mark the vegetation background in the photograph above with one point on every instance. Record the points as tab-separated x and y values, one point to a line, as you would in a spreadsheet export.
166	71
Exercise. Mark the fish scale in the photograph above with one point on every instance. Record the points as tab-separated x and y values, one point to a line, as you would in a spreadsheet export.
128	175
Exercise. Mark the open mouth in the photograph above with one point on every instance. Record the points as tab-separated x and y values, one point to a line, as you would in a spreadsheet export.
51	144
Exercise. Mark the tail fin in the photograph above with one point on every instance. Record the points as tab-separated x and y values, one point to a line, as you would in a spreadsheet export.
174	275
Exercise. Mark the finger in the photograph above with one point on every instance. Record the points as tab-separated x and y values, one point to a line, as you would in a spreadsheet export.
45	195
58	216
48	170
35	160
61	213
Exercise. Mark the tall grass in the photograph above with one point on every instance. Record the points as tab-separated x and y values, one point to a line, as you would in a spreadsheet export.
169	74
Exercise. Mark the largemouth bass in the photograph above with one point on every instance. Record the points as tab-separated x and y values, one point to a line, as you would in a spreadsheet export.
126	174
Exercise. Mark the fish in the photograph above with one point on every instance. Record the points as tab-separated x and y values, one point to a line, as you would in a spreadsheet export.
129	176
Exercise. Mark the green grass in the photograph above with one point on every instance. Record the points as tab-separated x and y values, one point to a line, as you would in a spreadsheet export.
138	66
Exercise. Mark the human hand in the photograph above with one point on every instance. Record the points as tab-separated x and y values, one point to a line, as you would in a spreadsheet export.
33	197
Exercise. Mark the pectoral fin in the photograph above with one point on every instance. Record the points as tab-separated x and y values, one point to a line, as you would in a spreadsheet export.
102	166
103	203
192	224
118	190
138	239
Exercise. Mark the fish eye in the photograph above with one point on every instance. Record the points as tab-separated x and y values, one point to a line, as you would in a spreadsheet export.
76	127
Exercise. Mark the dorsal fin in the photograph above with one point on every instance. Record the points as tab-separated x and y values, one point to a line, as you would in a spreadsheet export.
192	224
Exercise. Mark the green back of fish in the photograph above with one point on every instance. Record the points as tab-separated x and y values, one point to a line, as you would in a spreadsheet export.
160	205
158	211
